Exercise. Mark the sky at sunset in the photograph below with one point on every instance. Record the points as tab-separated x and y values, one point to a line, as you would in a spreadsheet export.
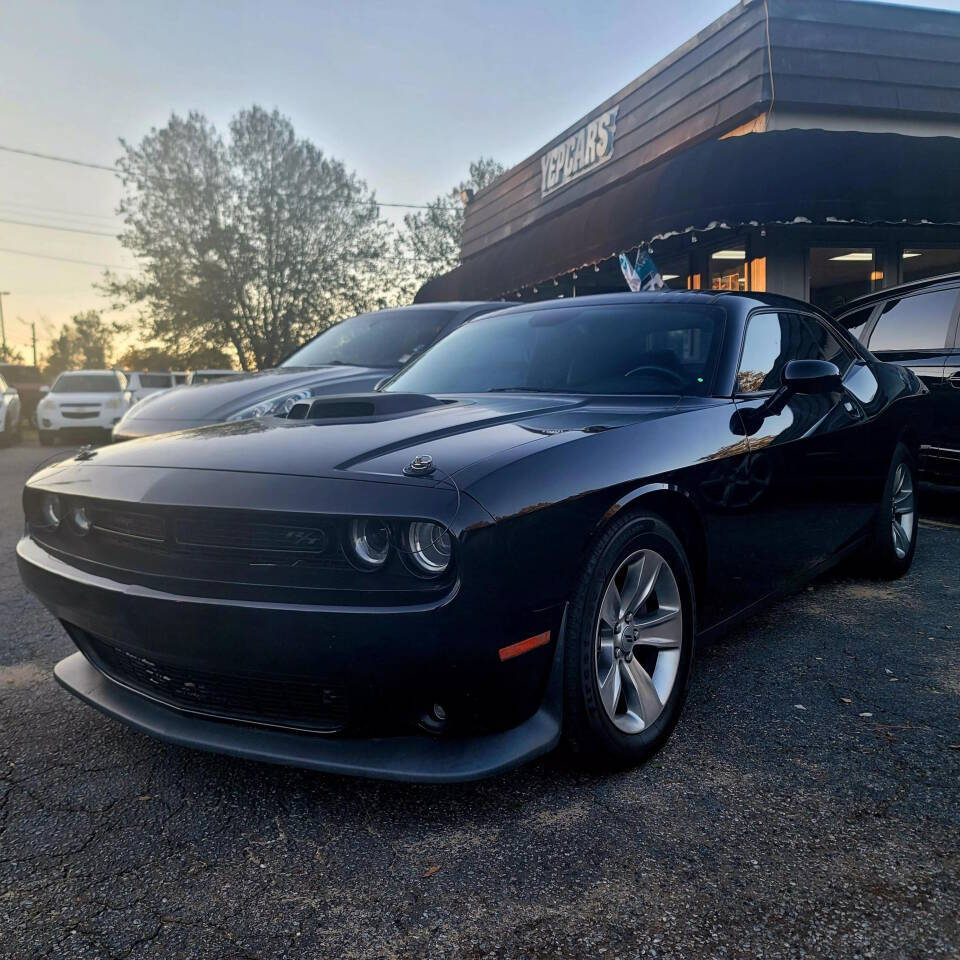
407	94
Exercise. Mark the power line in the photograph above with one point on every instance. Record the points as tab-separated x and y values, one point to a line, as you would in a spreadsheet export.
99	166
50	156
33	209
386	258
50	256
50	226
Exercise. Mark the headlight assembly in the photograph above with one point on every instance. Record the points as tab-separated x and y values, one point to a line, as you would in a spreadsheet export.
369	542
276	406
428	547
51	511
81	521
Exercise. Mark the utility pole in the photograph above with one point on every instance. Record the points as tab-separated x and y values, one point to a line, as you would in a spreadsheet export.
33	336
3	331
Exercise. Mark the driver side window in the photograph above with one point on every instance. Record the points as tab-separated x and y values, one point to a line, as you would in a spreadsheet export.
774	339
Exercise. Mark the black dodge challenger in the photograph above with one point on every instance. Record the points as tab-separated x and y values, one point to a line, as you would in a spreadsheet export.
523	535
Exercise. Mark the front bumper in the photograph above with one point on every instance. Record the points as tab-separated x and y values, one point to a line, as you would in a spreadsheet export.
392	662
414	758
61	424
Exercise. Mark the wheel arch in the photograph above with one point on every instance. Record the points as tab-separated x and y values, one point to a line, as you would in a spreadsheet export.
677	508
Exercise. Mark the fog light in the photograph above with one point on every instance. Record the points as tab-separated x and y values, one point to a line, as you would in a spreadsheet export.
370	542
50	511
80	520
429	546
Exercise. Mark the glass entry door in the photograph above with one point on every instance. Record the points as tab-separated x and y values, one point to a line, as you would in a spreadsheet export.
840	274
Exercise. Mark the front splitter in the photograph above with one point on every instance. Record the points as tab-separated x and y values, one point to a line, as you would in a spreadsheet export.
413	758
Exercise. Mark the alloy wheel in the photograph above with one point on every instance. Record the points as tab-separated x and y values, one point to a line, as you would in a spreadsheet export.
639	633
903	510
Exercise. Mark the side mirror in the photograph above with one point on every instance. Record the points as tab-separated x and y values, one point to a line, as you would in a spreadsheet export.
812	376
11	392
44	389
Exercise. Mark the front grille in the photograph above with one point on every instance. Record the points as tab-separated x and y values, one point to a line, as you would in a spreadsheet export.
253	536
317	705
237	554
80	414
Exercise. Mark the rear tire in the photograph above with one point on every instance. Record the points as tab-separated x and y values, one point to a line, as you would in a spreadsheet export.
626	673
893	540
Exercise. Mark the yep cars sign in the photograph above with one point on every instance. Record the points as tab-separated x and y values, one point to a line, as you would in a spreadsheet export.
580	153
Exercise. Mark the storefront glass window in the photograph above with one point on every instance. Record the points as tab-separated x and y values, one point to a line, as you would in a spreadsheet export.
841	274
922	262
728	269
676	274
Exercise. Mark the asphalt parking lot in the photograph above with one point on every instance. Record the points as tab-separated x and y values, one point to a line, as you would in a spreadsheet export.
807	805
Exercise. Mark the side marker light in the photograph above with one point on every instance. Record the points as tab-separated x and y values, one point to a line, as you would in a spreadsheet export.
524	646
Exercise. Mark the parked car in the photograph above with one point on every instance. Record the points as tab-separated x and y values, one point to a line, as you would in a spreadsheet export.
28	382
526	532
208	376
140	385
82	402
355	354
9	413
180	377
916	325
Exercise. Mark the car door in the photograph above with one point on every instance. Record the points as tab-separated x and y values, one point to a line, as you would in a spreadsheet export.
919	331
816	478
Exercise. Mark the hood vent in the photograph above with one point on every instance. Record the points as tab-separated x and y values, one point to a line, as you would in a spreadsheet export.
363	406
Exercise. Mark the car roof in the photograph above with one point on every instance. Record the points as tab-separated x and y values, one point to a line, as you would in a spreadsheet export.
887	292
739	302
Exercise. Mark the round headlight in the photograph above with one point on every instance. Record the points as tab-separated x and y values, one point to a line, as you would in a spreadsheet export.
370	542
81	521
429	546
50	510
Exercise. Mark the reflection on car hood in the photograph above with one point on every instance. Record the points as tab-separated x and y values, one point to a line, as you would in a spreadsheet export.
210	402
456	434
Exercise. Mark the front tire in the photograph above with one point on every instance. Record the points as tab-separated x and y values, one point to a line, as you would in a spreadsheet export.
629	643
893	540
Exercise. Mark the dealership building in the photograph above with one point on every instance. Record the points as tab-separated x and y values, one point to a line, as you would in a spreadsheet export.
804	147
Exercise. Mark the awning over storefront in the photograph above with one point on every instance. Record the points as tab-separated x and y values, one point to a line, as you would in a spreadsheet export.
791	176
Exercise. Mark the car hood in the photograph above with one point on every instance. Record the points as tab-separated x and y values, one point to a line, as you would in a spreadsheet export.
456	433
214	401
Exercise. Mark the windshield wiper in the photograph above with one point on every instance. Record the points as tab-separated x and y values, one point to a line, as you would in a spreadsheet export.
523	390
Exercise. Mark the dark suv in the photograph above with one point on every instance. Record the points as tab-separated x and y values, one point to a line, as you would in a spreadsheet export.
915	325
29	385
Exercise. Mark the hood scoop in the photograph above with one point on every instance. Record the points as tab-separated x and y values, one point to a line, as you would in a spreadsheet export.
352	407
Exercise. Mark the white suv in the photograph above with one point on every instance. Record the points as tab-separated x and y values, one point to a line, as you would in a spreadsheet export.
140	385
82	400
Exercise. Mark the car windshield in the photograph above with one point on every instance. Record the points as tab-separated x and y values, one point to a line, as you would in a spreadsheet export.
388	338
619	349
86	383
